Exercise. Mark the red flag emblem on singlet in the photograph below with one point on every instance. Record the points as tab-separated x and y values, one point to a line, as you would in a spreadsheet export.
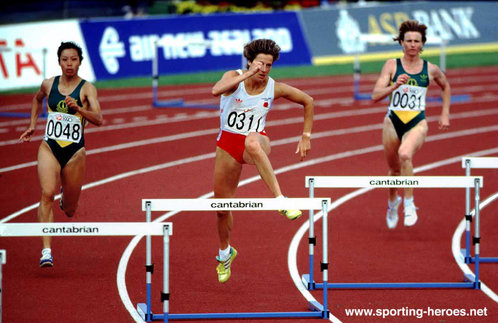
265	104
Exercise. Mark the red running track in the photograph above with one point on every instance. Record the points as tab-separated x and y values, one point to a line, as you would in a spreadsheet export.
141	152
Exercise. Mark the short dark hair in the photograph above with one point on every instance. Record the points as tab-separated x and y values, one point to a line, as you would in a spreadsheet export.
261	46
411	25
69	45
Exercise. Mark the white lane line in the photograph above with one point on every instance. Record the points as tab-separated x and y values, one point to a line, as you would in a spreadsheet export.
124	293
121	274
324	116
292	253
327	87
455	248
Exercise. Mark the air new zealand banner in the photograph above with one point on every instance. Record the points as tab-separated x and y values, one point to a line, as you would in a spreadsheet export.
333	32
123	48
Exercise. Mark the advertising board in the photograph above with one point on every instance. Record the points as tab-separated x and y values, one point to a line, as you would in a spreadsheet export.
125	48
26	48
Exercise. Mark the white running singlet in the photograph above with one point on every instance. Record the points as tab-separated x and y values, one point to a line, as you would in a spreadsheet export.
243	113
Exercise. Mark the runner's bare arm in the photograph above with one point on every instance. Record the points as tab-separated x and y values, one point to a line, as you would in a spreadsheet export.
295	95
92	111
36	108
383	88
442	82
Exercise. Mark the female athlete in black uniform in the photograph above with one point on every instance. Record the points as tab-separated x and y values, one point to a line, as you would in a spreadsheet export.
71	103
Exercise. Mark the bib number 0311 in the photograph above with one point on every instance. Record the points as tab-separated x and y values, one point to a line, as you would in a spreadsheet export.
242	122
65	127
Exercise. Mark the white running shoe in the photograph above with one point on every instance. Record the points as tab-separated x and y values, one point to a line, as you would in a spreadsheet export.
46	260
410	215
392	213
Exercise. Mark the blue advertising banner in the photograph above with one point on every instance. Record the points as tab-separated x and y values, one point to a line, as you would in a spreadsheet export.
125	48
463	24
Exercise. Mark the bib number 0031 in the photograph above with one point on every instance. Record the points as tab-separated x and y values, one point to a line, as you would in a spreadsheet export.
408	98
65	127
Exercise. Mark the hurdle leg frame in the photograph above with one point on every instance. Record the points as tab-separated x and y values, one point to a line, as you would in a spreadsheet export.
174	103
468	283
3	258
467	164
358	96
317	310
91	229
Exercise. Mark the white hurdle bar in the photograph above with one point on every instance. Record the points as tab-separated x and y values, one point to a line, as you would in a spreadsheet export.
90	229
317	310
313	182
481	163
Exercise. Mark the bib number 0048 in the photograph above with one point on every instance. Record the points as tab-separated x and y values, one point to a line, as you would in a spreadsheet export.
61	126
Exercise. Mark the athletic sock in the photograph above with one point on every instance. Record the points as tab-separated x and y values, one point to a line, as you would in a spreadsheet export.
224	254
46	250
408	201
391	203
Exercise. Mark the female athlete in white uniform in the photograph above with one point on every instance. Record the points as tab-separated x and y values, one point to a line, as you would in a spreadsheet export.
406	80
246	98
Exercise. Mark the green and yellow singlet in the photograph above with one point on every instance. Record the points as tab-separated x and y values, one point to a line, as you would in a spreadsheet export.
64	125
408	100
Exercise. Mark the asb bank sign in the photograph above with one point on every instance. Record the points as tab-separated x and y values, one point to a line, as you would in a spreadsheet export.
188	44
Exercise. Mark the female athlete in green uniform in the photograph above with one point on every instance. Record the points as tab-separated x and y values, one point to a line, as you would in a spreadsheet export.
406	80
71	102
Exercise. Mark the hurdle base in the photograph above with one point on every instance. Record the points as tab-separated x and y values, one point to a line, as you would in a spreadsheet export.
168	104
362	96
472	260
468	282
454	98
310	285
181	104
20	115
316	312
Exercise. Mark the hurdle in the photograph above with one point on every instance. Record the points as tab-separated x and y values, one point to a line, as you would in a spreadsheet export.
372	182
155	83
387	39
3	260
91	229
317	310
468	163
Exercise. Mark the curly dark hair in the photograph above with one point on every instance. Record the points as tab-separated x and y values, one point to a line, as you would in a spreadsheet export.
69	45
261	46
411	25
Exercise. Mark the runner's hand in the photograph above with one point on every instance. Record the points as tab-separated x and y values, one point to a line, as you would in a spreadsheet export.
402	79
70	102
303	147
255	67
26	136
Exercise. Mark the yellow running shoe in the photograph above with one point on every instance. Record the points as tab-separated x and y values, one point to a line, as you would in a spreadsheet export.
291	214
223	268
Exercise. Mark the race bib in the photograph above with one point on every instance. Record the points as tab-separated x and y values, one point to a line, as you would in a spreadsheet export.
408	98
63	126
244	122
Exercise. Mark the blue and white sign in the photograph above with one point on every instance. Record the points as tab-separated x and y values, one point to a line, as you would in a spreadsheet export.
124	48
